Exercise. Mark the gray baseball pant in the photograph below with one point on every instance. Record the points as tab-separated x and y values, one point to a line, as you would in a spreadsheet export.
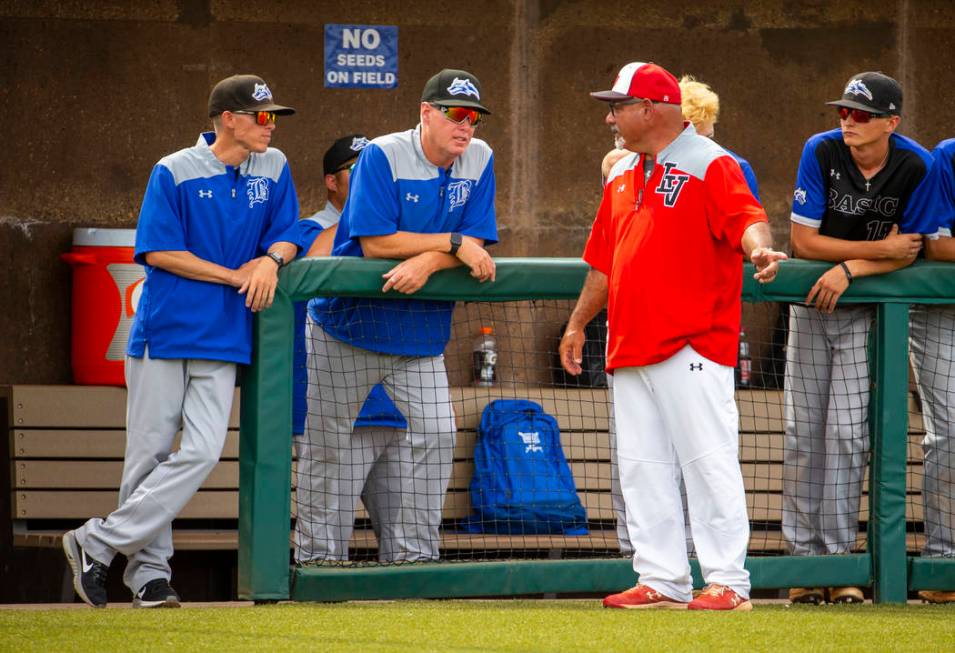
826	445
931	336
415	469
163	395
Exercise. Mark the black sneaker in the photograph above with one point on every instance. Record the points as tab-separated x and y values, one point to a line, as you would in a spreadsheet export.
89	576
157	593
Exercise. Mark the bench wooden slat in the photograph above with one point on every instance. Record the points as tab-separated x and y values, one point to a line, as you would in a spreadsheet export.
89	443
364	539
75	406
96	474
589	446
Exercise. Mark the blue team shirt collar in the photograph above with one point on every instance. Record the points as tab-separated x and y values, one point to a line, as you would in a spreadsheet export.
206	139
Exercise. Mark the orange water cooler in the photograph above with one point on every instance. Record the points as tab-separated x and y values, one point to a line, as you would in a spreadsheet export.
107	284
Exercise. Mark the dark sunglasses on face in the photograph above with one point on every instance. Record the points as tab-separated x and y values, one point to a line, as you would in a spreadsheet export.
460	114
858	115
261	117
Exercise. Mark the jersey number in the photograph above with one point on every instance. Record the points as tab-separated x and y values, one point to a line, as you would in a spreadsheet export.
878	229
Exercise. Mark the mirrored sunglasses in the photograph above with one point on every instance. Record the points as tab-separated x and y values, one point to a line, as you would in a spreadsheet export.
858	115
460	114
260	117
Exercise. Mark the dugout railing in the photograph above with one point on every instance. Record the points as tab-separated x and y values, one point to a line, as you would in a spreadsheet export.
264	572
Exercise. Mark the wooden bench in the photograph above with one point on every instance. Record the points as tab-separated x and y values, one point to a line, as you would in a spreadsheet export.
66	446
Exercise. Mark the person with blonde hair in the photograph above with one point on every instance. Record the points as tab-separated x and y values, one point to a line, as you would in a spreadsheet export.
701	106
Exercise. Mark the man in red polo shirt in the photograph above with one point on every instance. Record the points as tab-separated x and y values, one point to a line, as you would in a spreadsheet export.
666	253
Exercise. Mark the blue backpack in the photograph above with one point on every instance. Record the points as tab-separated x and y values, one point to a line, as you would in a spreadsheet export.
522	483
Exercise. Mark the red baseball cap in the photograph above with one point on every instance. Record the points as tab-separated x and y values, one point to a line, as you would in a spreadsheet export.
643	81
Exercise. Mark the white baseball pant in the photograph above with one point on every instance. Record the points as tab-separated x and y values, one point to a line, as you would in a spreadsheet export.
680	417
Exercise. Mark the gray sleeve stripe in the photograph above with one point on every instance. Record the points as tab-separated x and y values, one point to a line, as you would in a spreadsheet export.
195	163
803	220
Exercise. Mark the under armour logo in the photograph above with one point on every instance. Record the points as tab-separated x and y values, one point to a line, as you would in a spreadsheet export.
411	198
696	367
671	184
621	188
207	194
833	173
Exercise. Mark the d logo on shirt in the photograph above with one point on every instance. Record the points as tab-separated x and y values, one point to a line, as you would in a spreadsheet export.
257	188
458	193
671	184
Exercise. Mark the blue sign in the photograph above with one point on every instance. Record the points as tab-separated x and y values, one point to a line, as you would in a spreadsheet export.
361	56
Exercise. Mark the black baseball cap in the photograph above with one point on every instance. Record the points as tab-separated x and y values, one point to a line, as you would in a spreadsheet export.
872	92
244	93
454	88
343	151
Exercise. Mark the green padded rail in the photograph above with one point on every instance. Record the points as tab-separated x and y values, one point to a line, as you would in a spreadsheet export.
265	444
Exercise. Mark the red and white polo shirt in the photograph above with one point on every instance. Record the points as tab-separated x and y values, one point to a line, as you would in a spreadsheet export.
671	249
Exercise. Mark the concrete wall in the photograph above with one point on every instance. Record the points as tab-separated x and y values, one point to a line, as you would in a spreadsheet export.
95	92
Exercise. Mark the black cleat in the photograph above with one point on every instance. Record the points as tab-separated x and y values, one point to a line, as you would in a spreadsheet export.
157	593
89	576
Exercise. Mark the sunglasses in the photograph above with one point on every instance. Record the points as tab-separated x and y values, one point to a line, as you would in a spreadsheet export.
460	114
261	117
858	115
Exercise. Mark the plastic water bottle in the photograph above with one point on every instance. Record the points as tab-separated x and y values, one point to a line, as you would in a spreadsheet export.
744	369
485	358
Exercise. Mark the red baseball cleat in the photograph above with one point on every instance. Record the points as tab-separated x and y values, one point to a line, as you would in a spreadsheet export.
642	596
719	597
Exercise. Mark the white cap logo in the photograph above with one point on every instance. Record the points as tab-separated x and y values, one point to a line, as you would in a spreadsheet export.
261	92
463	87
358	144
856	87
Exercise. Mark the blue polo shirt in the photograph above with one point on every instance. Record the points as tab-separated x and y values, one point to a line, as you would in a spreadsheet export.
748	173
378	409
944	156
394	187
223	214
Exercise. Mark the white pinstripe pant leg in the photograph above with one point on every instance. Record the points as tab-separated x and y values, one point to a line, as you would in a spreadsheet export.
932	331
826	445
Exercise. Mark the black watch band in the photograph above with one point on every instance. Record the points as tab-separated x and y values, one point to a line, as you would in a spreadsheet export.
277	258
455	243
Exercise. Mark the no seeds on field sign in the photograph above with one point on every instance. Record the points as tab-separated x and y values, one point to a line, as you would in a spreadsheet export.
361	56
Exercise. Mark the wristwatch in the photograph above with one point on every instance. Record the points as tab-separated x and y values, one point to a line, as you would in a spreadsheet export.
277	258
455	243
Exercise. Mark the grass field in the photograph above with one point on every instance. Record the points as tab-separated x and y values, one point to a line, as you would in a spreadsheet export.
480	626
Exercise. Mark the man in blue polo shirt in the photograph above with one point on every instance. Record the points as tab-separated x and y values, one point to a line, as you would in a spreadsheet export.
425	196
216	224
373	474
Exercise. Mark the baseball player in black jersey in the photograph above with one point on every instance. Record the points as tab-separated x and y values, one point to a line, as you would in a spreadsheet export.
864	197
